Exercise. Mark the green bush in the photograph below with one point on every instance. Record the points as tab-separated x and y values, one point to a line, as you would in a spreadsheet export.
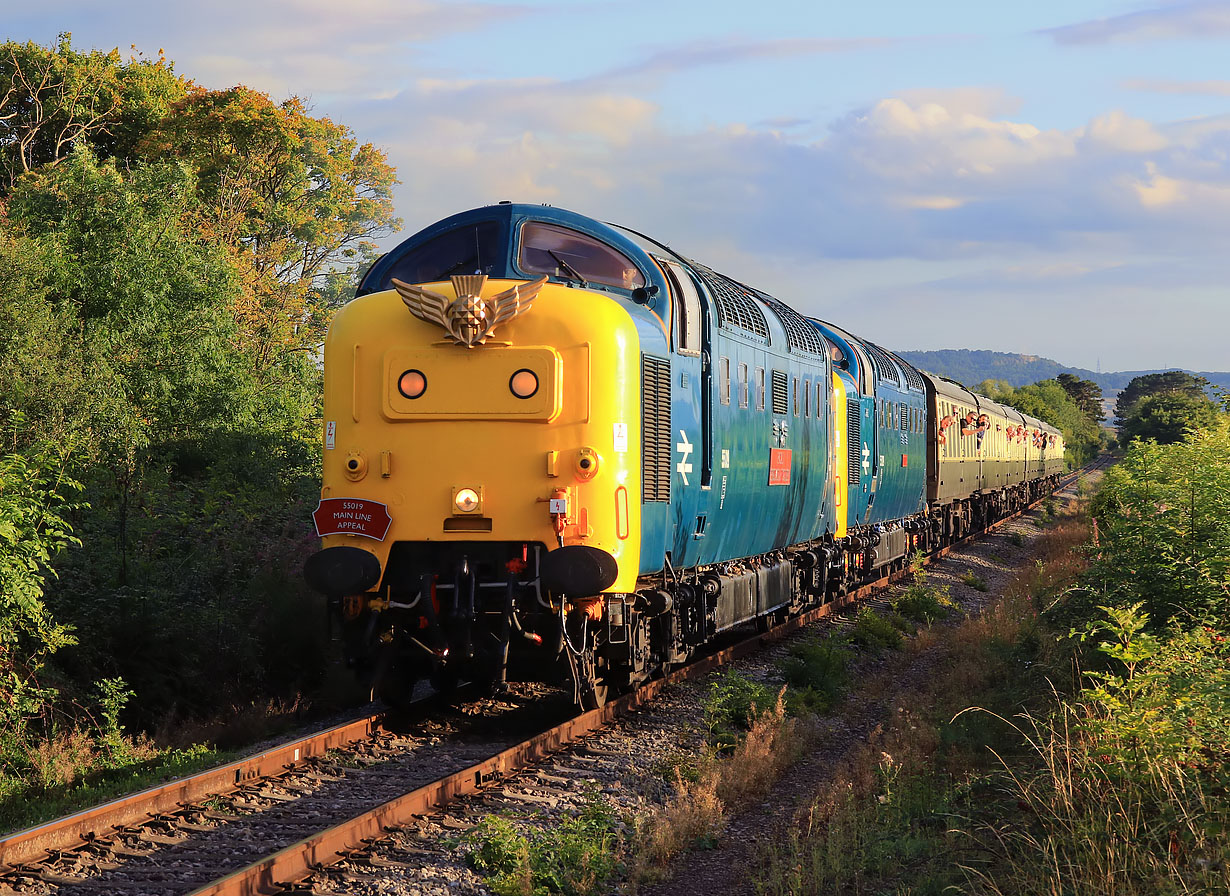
734	702
972	580
921	602
574	857
876	632
1163	538
817	670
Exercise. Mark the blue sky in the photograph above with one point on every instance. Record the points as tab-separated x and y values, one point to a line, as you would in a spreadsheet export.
1050	178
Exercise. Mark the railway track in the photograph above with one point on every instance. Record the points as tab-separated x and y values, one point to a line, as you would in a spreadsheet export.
278	818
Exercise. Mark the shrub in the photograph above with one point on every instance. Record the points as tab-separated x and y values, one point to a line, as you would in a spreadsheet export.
732	705
817	670
973	580
921	602
574	857
876	632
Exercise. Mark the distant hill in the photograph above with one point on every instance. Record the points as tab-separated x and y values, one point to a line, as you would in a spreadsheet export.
970	367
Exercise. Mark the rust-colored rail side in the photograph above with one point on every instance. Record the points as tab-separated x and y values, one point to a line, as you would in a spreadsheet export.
34	843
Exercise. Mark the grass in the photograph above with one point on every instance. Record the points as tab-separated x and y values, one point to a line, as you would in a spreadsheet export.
69	777
575	856
47	776
971	579
911	810
696	814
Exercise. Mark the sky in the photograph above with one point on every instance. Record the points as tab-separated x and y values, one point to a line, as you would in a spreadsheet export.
1050	178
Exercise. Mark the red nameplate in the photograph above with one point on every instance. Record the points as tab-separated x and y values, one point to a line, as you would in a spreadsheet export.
352	516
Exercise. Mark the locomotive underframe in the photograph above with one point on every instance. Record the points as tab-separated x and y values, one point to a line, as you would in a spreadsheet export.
452	611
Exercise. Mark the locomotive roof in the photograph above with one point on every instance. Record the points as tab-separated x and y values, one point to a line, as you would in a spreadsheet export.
499	223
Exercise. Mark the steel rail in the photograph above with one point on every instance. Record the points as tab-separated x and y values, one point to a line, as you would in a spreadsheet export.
35	843
282	869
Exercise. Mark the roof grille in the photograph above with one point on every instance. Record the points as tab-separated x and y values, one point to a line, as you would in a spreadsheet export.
913	378
886	368
801	336
736	305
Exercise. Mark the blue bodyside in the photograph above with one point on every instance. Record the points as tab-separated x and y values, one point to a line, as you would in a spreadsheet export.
892	474
901	455
721	506
743	514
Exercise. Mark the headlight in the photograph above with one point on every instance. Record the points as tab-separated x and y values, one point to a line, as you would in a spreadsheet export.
412	383
523	383
466	500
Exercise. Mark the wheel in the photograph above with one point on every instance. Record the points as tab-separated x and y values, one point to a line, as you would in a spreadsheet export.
589	679
390	680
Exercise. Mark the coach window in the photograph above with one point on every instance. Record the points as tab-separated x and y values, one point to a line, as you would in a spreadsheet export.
724	372
570	255
687	308
743	385
760	388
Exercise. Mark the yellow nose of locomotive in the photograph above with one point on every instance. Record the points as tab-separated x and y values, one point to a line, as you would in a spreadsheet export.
464	422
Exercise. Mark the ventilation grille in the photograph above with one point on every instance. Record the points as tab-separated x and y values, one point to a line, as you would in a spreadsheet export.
905	417
736	305
854	441
781	396
913	378
655	429
885	368
801	336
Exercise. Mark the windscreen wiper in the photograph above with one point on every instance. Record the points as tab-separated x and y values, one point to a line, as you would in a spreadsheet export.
460	264
567	268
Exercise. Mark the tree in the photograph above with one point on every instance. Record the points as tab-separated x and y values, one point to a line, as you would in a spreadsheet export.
1166	417
1164	540
1085	393
1175	382
32	532
295	197
53	99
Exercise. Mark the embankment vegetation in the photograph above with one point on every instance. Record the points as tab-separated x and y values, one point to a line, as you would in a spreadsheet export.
1075	737
168	259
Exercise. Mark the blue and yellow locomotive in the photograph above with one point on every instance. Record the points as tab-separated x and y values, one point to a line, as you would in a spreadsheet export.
554	444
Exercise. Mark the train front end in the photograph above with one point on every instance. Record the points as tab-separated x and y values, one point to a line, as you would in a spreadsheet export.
481	479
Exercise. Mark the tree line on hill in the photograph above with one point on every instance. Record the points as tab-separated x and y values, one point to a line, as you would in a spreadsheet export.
169	256
970	366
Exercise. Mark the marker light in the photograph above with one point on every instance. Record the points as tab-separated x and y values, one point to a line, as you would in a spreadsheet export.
466	500
523	383
412	383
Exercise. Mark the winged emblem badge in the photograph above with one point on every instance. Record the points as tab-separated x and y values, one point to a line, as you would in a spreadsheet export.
469	319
